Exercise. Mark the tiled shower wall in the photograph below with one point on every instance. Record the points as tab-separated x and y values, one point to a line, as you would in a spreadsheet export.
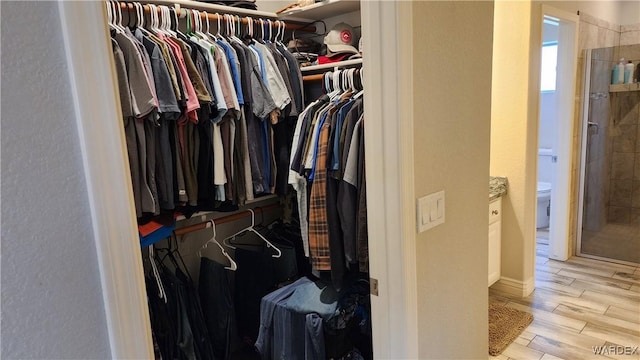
630	34
623	143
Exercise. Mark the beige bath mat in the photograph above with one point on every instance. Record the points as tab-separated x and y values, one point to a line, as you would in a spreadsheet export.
505	324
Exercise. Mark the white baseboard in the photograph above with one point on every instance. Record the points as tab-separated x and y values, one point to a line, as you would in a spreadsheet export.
514	287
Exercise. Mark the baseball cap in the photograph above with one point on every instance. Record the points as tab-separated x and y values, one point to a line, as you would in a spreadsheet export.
340	40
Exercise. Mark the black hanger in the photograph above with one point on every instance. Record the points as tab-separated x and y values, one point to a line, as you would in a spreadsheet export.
130	16
358	80
174	25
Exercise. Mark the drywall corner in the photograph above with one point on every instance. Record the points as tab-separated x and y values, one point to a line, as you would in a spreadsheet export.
452	98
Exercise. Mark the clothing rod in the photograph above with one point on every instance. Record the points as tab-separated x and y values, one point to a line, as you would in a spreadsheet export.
316	77
224	219
334	65
215	16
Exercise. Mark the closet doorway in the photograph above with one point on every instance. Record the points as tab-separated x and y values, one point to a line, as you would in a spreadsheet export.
106	169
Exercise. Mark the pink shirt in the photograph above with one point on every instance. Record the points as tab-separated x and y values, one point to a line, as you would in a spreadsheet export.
192	98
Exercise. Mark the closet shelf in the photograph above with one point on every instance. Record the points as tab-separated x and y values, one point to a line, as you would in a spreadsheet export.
321	10
624	87
234	216
203	216
213	8
338	64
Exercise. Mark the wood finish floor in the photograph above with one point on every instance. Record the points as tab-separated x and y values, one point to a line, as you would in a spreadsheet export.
577	305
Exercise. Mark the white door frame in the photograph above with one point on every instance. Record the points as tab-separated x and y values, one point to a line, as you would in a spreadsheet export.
106	167
388	68
389	150
559	230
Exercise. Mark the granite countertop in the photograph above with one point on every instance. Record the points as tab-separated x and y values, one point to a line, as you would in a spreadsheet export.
497	187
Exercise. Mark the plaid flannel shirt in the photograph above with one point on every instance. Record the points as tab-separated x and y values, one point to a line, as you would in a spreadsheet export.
318	227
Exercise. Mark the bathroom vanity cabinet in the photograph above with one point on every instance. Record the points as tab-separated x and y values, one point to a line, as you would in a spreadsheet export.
495	234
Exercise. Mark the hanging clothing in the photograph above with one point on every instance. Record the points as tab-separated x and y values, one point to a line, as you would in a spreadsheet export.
326	167
318	228
216	295
173	84
177	321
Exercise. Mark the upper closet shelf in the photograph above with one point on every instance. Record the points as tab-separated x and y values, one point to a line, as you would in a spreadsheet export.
338	64
321	10
624	87
213	8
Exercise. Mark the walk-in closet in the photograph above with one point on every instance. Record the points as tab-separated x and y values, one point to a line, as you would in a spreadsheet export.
244	134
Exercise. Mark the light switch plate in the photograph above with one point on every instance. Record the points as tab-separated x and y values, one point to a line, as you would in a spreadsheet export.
430	211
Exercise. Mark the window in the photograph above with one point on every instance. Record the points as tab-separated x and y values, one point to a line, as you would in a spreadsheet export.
549	62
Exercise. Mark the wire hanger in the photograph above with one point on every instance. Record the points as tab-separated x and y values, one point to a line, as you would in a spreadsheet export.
282	28
235	32
140	12
140	17
209	36
335	82
234	265
155	20
206	16
250	26
345	84
270	27
120	17
217	35
151	26
278	24
167	16
189	27
327	82
199	23
110	15
251	229
361	92
156	274
229	24
262	37
115	8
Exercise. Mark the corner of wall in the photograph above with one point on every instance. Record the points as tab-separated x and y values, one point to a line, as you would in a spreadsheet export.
514	123
520	288
452	125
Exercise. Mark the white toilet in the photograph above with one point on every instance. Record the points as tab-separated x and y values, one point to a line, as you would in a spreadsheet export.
544	203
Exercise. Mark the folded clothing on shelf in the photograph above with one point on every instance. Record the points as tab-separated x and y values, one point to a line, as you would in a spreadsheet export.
303	45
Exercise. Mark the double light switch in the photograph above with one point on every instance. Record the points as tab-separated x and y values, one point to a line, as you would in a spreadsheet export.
430	211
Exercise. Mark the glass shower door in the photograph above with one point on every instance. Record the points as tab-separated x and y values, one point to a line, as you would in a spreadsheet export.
611	200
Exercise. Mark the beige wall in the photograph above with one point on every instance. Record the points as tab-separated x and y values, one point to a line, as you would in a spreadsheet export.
619	12
514	135
52	298
452	97
512	139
